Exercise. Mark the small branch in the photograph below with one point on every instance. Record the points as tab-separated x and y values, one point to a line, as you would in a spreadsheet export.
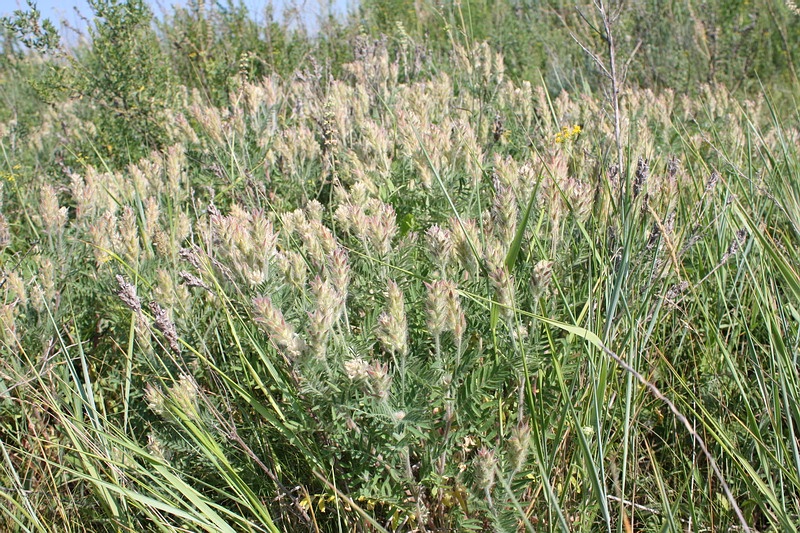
633	504
630	60
591	54
615	81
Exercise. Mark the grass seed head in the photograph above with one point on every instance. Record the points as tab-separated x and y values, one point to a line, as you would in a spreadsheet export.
641	175
127	293
162	323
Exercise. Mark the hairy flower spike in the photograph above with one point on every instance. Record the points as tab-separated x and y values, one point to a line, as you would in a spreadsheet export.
324	239
47	278
263	236
319	329
343	217
485	466
8	324
151	215
322	319
210	120
129	232
16	287
294	268
504	213
437	306
456	320
378	380
339	275
504	291
185	394
356	369
494	254
540	279
155	398
156	448
165	290
54	218
175	164
182	227
314	211
440	247
326	297
381	229
444	310
280	331
519	445
466	238
85	195
392	328
5	233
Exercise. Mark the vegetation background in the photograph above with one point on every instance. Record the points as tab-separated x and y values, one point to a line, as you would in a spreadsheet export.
477	265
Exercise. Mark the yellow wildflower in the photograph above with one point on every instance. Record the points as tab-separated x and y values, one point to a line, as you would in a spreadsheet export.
567	134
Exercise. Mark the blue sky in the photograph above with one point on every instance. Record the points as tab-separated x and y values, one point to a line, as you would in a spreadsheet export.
58	10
